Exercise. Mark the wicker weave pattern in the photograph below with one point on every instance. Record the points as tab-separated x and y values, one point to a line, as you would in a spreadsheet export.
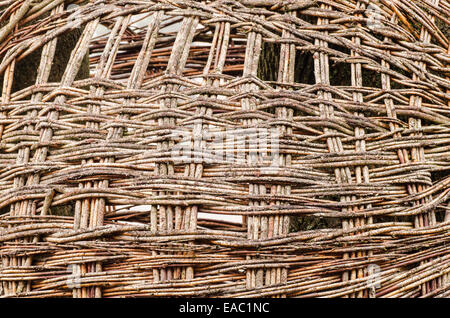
363	149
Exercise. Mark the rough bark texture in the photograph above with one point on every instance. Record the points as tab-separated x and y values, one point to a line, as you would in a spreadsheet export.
359	153
25	71
340	75
25	74
304	73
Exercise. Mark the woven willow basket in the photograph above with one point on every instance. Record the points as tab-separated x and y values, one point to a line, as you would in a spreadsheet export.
235	148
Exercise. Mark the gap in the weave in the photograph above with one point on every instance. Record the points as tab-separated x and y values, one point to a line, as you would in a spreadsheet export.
139	23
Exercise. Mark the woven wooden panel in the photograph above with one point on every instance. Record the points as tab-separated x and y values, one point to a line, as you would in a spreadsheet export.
253	148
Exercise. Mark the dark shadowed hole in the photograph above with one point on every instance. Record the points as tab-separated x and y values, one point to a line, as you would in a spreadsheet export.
340	72
269	61
388	218
371	78
310	222
304	68
25	71
5	209
63	210
439	175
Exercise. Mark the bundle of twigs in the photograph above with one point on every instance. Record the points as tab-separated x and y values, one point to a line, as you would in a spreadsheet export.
238	148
